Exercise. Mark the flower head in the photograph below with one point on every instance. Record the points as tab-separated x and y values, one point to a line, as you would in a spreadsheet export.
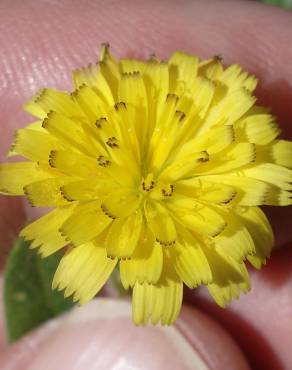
156	166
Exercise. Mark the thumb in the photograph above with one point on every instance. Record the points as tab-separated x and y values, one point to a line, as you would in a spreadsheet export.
101	336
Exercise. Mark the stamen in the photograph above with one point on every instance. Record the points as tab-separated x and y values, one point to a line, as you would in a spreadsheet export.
254	153
172	96
120	105
164	243
112	142
148	183
131	74
104	51
219	231
218	58
99	123
180	115
168	192
52	157
228	200
204	158
106	212
102	161
64	195
46	119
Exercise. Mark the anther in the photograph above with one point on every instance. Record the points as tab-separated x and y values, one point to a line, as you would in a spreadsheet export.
228	200
52	158
148	183
165	243
106	212
131	74
254	156
102	161
100	122
180	115
148	187
204	158
171	96
112	142
168	192
120	105
218	58
46	119
64	195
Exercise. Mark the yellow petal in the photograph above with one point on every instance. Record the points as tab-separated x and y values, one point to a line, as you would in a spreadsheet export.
132	65
186	167
44	232
277	197
89	102
87	76
69	132
33	108
158	74
235	241
260	229
211	68
190	262
132	90
109	69
158	302
219	194
234	157
272	174
229	109
99	76
202	93
123	235
198	217
121	203
74	164
282	153
186	64
257	128
58	101
89	189
234	78
15	176
229	277
86	223
217	139
160	223
37	125
145	264
250	192
47	193
34	145
206	191
83	271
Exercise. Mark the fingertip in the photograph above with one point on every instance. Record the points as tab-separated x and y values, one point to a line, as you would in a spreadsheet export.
260	320
102	336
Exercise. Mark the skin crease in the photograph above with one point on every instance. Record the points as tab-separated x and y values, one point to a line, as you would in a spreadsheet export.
42	42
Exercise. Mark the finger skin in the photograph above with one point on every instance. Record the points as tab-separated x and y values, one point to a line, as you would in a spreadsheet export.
261	320
102	336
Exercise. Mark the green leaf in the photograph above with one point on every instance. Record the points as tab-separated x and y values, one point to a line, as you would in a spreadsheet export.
28	297
283	3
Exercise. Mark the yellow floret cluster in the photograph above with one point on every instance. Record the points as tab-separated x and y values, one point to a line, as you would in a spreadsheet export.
157	167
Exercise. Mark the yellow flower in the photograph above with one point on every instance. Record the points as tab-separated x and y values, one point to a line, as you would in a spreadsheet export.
156	166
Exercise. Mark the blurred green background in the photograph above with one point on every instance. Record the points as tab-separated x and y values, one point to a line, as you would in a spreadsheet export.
282	3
